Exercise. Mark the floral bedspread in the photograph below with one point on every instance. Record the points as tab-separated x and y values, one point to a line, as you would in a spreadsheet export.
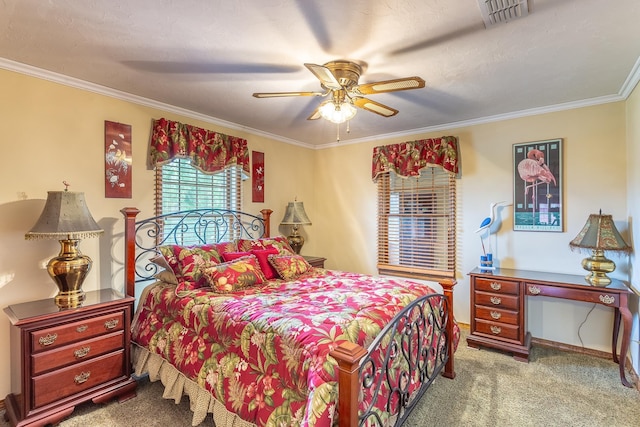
264	352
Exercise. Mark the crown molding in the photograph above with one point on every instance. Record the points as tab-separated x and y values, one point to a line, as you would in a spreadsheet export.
629	84
135	99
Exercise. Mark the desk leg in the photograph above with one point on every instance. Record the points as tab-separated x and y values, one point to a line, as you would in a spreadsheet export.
626	324
616	332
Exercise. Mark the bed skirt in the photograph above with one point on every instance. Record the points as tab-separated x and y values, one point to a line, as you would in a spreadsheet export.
176	385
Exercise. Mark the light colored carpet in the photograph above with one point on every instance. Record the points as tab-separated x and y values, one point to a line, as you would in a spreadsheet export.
491	389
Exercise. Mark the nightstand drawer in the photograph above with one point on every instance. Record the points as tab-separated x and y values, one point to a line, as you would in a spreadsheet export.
509	302
76	352
59	384
497	286
45	339
501	330
497	315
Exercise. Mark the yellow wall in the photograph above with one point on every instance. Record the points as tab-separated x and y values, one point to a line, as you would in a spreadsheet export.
53	132
633	201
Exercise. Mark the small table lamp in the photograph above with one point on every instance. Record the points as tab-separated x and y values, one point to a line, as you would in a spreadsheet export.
599	234
66	217
295	216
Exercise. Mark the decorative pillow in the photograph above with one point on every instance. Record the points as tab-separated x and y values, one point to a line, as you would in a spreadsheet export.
225	247
263	260
279	242
167	275
234	275
230	256
289	267
187	262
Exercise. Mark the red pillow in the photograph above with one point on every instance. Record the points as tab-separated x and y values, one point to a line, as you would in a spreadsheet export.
263	259
234	275
230	256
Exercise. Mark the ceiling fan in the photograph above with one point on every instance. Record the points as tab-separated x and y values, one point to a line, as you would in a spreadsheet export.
339	79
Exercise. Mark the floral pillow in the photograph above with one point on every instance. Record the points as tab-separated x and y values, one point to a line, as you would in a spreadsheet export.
187	262
234	275
289	267
279	242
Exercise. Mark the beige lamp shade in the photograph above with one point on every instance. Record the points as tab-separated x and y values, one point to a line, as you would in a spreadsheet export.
295	215
65	216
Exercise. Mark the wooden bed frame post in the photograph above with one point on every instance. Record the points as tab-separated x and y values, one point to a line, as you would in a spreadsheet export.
348	356
266	215
130	249
447	289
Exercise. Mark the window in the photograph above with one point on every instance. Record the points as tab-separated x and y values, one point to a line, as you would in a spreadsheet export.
180	187
416	224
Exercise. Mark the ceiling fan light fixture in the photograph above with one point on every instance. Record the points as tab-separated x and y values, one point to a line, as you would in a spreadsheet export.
337	112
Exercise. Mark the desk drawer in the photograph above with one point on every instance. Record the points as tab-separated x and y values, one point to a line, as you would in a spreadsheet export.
497	315
497	286
593	295
495	329
509	302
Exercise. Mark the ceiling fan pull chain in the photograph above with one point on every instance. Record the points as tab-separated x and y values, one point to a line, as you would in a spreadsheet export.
338	136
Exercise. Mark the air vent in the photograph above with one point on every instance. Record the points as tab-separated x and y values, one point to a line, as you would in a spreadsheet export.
498	11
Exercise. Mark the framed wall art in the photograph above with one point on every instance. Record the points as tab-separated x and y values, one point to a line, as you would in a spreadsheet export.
117	160
537	186
257	177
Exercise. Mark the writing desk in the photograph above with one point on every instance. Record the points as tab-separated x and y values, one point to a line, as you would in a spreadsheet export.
498	310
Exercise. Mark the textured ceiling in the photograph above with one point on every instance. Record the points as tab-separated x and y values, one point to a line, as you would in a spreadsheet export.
208	57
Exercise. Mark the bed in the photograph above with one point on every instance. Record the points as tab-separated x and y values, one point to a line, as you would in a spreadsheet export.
295	345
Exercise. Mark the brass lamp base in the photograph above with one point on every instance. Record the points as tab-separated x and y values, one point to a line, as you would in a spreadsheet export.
598	265
69	270
295	240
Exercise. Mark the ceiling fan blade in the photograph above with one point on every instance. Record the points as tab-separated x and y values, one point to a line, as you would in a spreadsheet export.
283	94
374	107
394	85
325	76
316	114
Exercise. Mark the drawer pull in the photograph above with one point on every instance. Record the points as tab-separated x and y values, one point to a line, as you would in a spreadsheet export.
496	329
81	352
495	315
80	329
83	377
48	339
495	286
607	299
534	290
110	324
496	300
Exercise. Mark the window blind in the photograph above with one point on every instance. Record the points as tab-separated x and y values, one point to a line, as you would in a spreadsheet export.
416	224
179	187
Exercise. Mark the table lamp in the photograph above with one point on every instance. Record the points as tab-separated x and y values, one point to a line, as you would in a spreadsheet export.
295	216
599	234
66	218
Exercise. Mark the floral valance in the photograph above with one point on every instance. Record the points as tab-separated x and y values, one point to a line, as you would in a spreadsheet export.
408	158
209	151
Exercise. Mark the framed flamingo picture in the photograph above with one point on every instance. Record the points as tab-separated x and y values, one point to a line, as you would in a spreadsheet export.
537	186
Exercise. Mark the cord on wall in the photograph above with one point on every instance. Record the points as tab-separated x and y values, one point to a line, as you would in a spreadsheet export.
583	322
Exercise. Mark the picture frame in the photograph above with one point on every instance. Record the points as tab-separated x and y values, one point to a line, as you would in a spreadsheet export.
257	177
537	186
117	160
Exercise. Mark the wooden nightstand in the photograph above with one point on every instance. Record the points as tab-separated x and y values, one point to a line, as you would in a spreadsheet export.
315	261
61	358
